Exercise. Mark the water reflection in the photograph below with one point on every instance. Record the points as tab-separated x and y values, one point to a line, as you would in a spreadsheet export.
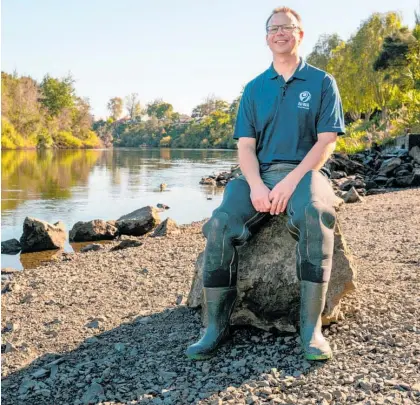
46	174
81	185
36	259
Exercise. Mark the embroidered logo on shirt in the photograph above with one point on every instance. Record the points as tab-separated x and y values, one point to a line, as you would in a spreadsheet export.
305	96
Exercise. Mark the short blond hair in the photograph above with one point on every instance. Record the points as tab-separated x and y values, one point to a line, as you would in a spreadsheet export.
285	10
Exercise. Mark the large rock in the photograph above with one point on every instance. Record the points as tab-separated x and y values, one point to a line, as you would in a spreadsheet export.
341	162
409	179
40	235
97	229
138	222
415	154
389	165
10	247
167	227
268	288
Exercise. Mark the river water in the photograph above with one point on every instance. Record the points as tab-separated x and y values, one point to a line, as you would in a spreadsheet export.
81	185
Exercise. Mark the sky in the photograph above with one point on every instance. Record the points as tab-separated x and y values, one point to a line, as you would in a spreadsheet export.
180	51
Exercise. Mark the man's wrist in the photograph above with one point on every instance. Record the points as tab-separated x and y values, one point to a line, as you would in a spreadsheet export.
294	177
255	182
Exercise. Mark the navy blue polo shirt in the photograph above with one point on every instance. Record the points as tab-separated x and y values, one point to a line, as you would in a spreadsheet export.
285	117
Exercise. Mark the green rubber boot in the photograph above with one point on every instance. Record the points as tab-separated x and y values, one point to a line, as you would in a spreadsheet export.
220	302
312	303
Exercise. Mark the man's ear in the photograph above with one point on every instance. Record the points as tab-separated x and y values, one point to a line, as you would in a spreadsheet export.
301	35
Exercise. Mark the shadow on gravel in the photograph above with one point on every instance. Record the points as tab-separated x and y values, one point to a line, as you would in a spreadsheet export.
143	362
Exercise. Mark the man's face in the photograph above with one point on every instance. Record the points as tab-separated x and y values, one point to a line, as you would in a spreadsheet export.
284	42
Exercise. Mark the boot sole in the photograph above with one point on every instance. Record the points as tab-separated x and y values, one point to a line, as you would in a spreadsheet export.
204	356
315	357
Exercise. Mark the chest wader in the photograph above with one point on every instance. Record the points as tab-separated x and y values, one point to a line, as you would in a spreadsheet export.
311	223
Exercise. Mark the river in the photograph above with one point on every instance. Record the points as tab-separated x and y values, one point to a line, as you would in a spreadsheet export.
82	185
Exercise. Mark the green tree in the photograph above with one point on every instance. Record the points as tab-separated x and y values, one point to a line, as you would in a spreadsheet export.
132	104
44	116
57	94
115	107
159	109
323	50
362	88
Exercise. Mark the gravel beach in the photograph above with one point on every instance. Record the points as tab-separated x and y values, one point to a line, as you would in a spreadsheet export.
108	327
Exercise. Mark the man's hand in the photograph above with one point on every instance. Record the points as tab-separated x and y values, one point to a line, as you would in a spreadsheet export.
259	197
280	195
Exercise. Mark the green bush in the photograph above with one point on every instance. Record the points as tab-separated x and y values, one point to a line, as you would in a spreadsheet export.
64	139
10	138
44	139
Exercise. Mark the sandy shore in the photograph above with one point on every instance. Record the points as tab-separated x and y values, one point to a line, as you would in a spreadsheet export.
111	327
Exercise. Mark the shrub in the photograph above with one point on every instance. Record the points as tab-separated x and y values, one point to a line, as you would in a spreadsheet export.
64	139
10	138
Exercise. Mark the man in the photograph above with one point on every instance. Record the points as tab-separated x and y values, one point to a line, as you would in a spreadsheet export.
288	121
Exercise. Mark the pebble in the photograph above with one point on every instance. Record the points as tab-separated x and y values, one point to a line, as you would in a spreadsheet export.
42	372
93	324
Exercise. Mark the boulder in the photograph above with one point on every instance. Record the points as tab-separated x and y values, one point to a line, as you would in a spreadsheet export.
138	222
380	180
97	229
208	181
356	183
39	235
389	165
168	226
91	248
370	184
409	179
10	247
352	196
127	243
338	175
416	177
268	288
341	162
415	154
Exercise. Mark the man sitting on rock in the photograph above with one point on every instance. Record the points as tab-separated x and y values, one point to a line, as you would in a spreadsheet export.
287	125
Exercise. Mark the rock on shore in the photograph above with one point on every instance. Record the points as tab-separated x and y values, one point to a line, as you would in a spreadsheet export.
40	235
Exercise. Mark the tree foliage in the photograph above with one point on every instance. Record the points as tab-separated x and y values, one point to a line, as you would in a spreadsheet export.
159	109
323	50
57	94
44	115
115	107
132	104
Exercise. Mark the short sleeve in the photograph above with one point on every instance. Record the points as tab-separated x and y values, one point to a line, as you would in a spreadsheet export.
244	126
331	116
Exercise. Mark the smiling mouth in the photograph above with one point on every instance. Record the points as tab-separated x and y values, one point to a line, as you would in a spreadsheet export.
281	42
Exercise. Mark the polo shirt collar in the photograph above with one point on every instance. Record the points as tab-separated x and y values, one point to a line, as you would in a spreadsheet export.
300	72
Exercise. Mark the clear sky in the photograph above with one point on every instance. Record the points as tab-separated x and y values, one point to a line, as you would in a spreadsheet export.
180	50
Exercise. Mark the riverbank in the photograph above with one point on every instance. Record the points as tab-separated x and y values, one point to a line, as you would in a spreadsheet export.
113	326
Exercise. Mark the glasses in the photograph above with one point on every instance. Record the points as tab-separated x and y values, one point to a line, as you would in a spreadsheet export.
288	28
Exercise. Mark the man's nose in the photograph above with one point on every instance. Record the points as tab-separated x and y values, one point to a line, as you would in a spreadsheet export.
280	34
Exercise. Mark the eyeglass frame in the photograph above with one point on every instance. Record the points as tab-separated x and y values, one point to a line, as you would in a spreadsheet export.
281	27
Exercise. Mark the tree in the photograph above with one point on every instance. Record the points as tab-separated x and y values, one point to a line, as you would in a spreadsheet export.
362	88
159	109
132	104
57	94
233	108
115	107
211	104
323	50
44	115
